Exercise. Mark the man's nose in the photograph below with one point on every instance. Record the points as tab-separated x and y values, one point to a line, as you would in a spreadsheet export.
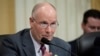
48	29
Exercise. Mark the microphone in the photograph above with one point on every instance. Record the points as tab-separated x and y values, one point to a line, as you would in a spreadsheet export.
46	41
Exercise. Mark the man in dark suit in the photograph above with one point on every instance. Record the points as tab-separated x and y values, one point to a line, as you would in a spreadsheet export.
43	23
90	23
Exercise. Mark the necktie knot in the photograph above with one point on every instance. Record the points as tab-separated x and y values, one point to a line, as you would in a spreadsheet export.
43	48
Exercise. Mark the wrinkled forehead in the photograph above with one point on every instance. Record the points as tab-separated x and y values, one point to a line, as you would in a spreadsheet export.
48	18
46	13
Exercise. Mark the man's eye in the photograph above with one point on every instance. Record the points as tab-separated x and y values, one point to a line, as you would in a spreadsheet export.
92	27
43	24
98	28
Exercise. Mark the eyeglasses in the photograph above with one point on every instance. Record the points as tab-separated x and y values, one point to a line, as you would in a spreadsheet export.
45	24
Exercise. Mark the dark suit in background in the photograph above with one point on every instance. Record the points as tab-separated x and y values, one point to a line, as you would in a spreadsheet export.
87	44
77	48
97	46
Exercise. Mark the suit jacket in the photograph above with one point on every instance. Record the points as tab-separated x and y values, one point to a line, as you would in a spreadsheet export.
74	46
97	46
91	49
20	44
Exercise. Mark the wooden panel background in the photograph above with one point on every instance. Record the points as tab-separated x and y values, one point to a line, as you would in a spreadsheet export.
7	17
95	4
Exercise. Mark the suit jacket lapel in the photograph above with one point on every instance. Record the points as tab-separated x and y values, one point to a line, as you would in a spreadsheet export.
53	49
28	45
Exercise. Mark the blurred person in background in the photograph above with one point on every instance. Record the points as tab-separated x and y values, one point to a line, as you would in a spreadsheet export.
90	23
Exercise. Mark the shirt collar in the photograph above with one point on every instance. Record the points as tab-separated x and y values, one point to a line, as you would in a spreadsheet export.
37	45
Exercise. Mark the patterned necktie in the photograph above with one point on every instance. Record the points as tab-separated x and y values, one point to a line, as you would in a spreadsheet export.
43	48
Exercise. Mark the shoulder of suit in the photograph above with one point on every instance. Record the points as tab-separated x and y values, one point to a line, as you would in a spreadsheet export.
17	35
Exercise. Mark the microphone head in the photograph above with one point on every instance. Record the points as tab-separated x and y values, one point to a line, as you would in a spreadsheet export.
45	41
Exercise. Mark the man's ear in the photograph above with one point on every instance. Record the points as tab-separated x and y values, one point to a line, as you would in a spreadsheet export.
31	19
82	25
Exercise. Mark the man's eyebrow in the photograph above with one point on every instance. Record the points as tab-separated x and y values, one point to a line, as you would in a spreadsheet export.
44	22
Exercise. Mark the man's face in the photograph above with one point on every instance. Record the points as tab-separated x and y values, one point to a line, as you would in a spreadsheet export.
92	25
44	25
